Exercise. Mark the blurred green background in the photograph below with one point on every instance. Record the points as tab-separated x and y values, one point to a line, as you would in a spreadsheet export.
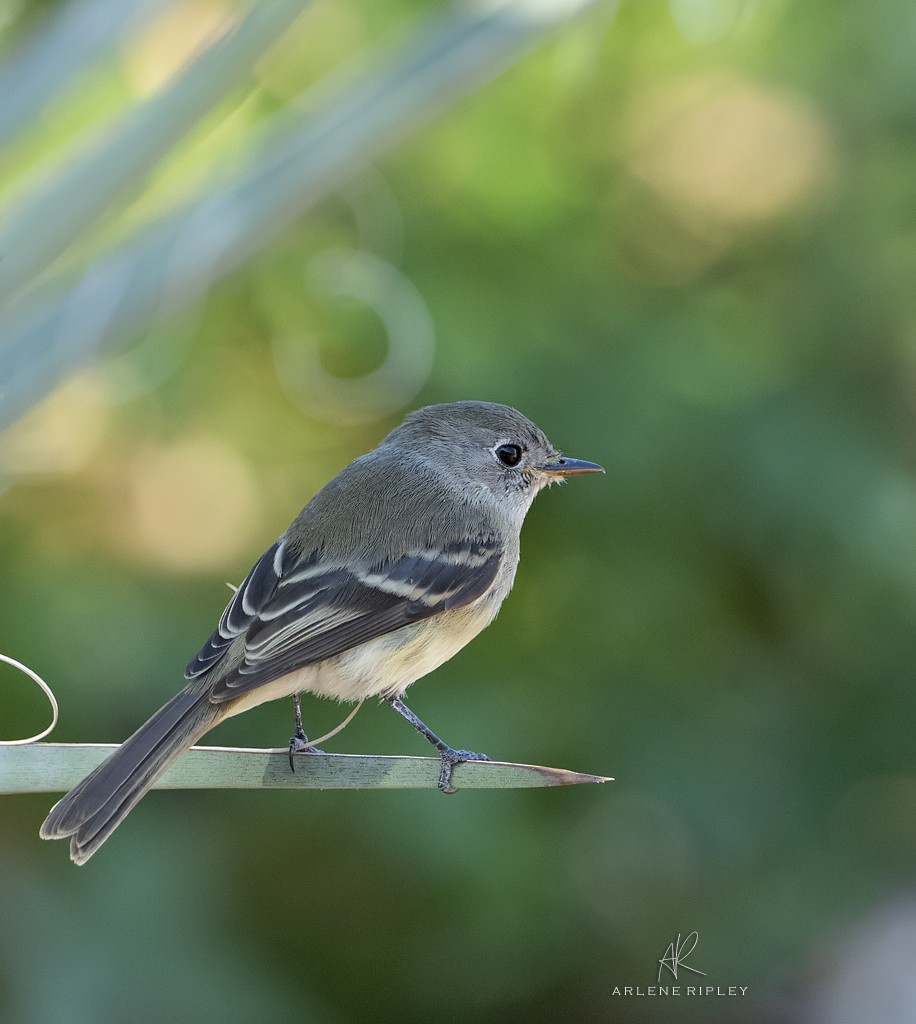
682	238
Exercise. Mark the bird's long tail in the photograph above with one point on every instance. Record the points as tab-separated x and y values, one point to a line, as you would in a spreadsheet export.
94	808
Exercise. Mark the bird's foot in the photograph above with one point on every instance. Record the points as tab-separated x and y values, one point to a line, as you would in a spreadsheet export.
299	744
448	759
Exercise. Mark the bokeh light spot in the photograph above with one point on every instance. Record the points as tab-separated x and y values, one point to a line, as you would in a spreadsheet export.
191	506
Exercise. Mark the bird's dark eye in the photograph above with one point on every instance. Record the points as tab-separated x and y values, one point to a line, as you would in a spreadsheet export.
509	454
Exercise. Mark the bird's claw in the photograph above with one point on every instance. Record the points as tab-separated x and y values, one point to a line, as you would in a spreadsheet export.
299	744
448	759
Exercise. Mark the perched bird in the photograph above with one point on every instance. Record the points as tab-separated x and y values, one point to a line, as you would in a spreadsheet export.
393	567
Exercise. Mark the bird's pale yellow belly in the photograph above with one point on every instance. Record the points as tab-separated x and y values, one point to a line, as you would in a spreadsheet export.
385	666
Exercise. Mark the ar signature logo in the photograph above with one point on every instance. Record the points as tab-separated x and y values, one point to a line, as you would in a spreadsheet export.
677	953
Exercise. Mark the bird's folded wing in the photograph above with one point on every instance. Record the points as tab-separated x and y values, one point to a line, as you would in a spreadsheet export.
292	613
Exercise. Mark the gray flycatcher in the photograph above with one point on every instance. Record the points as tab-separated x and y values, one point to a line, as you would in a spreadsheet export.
396	564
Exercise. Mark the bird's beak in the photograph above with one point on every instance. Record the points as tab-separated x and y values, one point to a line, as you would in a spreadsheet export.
563	466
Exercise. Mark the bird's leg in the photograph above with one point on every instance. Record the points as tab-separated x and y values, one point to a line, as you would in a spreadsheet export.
299	742
449	757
